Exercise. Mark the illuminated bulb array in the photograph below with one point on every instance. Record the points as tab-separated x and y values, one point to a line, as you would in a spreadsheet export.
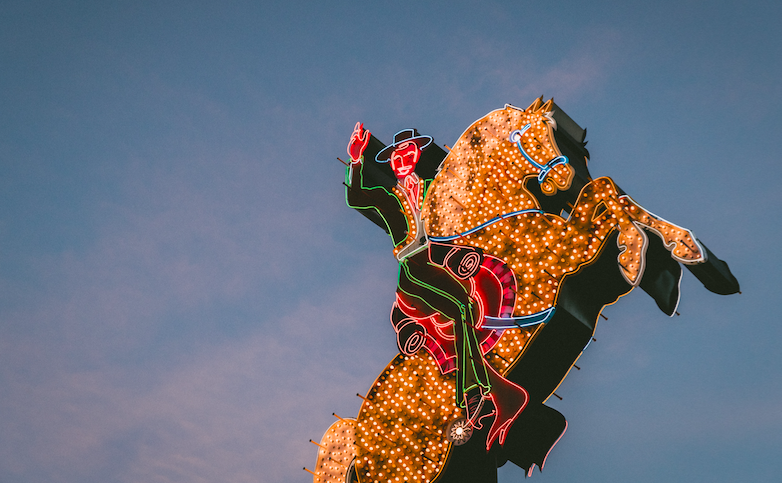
509	348
400	434
470	190
401	427
680	241
542	249
336	452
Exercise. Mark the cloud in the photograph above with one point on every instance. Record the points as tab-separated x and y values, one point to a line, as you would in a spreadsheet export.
233	410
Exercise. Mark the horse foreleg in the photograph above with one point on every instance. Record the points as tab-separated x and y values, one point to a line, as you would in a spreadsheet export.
601	208
597	212
681	242
632	243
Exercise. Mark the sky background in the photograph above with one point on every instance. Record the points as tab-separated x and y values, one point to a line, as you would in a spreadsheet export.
185	297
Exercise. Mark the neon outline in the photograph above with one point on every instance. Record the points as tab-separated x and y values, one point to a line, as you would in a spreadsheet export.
597	186
393	145
488	337
501	432
484	225
549	451
473	367
364	140
519	321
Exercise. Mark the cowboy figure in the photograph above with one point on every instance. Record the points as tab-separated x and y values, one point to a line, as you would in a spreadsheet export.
426	282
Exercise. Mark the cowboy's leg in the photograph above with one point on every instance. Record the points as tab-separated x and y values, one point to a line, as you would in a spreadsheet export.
509	399
438	289
473	367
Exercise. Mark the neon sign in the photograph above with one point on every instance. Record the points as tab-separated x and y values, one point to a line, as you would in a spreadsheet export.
507	253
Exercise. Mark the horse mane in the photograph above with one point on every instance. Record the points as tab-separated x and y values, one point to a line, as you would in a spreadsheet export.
483	175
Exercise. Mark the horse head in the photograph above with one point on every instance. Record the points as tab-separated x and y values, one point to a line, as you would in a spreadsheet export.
535	141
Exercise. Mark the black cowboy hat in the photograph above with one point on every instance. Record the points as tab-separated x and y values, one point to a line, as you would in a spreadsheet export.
405	135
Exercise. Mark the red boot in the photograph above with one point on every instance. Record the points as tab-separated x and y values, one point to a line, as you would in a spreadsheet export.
509	401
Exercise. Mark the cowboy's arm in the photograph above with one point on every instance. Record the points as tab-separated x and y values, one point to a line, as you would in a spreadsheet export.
358	193
377	199
365	194
354	177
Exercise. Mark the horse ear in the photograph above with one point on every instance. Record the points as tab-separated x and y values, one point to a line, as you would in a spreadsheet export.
534	106
547	106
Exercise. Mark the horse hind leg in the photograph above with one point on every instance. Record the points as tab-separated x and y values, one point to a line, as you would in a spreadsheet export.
336	454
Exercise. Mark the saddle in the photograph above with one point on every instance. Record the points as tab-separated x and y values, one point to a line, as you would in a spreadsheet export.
492	287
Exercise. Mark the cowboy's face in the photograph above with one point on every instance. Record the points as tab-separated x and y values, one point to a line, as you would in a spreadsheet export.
404	159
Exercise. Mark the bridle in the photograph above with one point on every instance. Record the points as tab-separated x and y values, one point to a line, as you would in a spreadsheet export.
515	137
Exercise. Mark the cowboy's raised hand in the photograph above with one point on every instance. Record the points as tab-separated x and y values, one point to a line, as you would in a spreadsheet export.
358	142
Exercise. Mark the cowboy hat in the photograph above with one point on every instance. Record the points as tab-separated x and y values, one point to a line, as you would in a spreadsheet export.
405	135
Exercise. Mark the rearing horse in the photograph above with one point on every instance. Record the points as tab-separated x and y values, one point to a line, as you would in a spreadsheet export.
494	192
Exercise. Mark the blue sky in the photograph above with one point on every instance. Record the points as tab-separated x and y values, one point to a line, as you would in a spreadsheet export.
184	296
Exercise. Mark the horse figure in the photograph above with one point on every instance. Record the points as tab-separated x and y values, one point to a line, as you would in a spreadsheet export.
558	247
482	199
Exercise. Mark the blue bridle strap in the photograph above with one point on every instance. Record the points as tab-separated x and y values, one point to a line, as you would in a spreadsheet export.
544	168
